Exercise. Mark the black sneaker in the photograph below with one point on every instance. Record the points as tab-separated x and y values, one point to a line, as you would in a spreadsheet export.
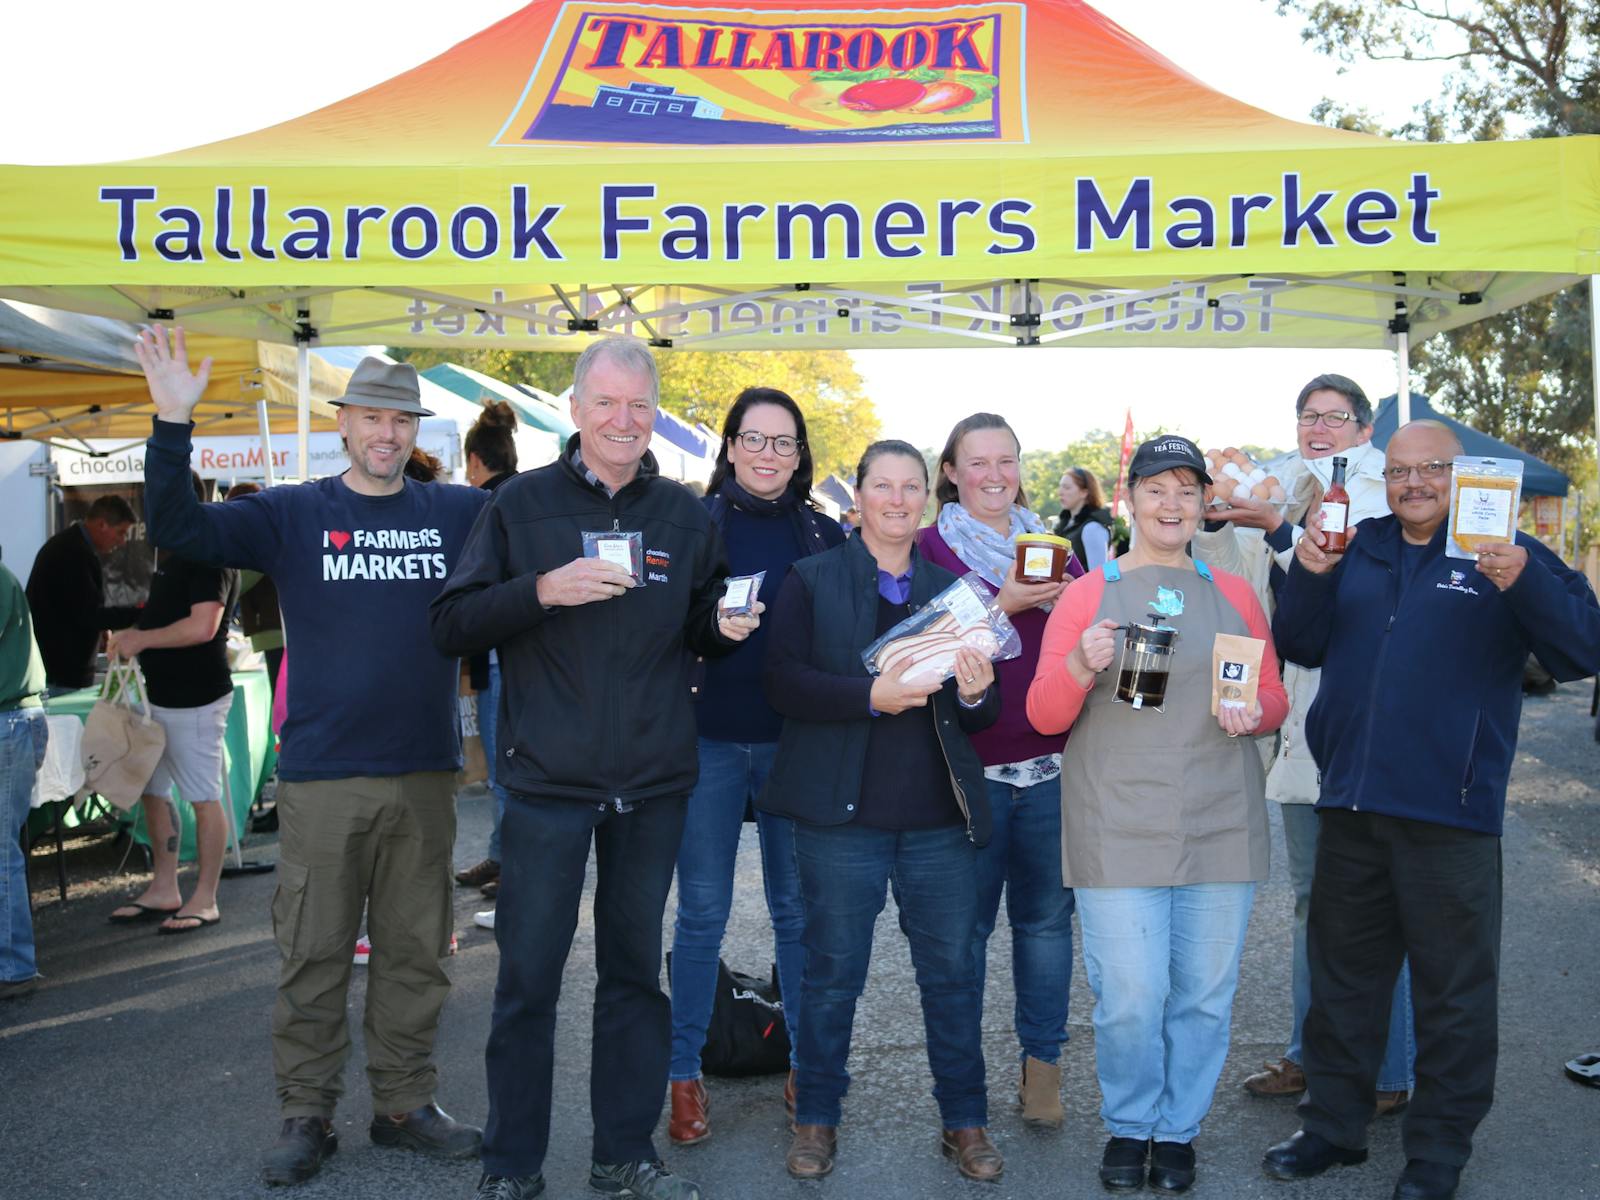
508	1187
303	1143
642	1180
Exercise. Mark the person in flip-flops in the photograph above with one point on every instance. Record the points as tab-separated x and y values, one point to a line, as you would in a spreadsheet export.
181	642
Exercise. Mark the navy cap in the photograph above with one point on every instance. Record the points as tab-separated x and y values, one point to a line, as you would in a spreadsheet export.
1165	453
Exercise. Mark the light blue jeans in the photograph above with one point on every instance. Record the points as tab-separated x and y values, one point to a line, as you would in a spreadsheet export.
23	734
1163	963
1397	1072
488	702
1023	857
731	774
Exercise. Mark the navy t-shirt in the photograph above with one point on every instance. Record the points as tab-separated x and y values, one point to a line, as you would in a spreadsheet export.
188	676
368	693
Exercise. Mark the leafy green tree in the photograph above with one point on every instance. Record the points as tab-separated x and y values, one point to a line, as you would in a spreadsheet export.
699	387
1521	68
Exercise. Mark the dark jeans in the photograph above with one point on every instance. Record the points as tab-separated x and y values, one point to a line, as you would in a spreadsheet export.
1386	888
546	844
844	871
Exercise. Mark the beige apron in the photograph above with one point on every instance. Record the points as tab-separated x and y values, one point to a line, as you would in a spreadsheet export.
1160	799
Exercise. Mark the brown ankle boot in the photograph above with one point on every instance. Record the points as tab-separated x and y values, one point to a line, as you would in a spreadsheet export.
689	1105
791	1096
812	1151
1039	1093
974	1154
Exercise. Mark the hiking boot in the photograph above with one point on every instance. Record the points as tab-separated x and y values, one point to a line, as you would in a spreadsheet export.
479	874
428	1129
508	1187
303	1143
641	1180
1039	1093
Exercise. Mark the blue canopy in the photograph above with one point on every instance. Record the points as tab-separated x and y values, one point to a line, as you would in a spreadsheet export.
684	436
479	389
1539	478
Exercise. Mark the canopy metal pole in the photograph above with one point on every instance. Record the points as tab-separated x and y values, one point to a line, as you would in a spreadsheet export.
266	439
1402	362
1594	354
302	384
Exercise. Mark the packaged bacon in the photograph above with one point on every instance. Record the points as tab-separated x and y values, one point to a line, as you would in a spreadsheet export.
963	615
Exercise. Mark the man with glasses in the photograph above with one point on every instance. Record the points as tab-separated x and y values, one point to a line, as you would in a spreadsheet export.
597	580
1255	539
1415	732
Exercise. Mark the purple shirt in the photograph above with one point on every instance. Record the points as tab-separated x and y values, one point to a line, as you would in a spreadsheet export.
1010	739
896	589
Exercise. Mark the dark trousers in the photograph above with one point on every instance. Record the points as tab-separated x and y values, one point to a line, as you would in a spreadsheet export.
1386	888
545	848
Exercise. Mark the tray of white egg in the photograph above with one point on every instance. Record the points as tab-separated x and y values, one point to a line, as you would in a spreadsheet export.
1236	477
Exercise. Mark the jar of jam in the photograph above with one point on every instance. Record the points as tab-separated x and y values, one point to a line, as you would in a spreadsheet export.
1042	557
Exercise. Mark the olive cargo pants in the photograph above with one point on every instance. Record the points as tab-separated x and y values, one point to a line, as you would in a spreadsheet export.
383	842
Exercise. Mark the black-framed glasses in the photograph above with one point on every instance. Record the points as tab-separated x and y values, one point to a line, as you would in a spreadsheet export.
1333	420
1431	469
783	445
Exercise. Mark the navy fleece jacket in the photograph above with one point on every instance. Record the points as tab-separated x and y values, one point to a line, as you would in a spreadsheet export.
1422	689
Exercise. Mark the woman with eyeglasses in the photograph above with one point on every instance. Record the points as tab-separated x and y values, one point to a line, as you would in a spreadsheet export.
1333	418
759	495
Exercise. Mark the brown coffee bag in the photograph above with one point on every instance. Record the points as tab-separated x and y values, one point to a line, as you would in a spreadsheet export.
1235	670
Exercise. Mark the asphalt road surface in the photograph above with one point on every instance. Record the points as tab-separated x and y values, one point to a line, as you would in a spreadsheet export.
143	1069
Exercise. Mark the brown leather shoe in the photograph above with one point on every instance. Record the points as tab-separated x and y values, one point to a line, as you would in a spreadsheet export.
975	1155
429	1130
1282	1078
791	1097
1389	1103
689	1105
812	1152
491	889
480	874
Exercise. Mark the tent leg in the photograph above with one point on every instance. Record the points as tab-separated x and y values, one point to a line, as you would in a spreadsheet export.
1402	363
1594	356
302	381
266	440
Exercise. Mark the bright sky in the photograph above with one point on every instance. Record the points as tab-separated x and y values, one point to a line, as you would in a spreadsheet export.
192	71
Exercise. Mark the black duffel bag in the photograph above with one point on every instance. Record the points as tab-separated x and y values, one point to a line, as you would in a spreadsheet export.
747	1035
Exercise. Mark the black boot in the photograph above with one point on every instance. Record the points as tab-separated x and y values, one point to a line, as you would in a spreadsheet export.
303	1143
430	1130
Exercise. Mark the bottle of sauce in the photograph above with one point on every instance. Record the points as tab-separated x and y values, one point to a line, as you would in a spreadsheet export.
1336	511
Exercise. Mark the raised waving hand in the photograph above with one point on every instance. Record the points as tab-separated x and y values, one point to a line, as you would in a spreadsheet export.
174	388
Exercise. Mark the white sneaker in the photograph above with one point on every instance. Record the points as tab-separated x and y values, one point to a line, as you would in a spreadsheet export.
484	920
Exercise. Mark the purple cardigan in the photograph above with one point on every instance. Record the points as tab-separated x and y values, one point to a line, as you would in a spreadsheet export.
1011	739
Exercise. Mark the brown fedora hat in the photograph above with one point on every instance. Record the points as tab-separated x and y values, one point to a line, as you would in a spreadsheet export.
379	384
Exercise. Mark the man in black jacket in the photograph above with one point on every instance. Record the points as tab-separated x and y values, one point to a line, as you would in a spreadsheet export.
597	741
67	593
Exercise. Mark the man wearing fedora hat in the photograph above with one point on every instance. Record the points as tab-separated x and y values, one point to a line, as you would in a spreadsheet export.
370	746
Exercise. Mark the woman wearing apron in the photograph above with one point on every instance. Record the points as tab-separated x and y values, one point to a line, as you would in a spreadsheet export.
1164	821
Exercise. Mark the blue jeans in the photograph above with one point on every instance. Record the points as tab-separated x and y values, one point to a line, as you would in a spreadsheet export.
844	870
731	774
1024	858
23	734
1397	1073
488	702
1163	963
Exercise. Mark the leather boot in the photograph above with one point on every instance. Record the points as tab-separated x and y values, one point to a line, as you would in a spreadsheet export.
297	1155
791	1097
974	1154
689	1104
429	1130
812	1152
1039	1093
